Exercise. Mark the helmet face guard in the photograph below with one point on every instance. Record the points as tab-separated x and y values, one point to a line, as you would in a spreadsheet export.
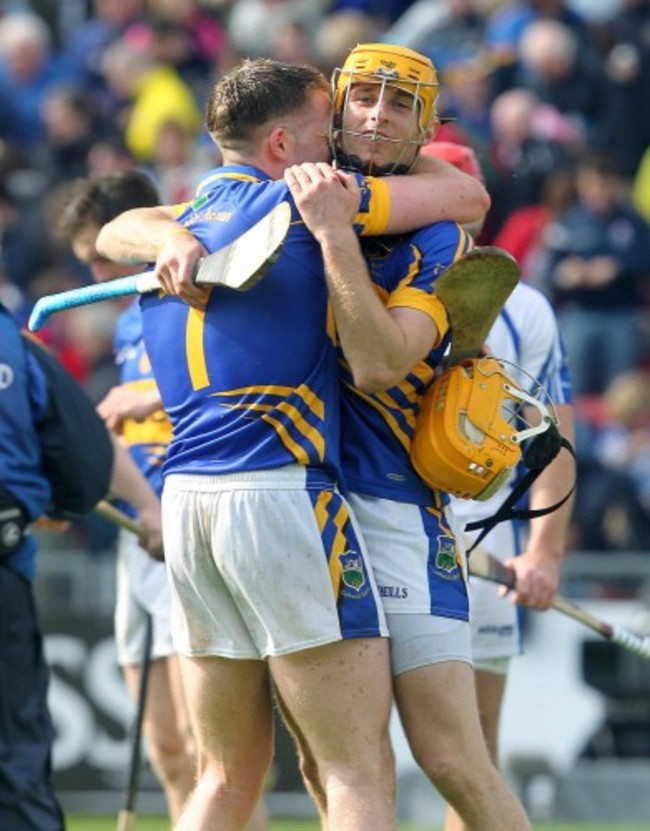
388	66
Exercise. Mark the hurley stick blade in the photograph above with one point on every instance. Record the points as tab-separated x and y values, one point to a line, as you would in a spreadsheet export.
238	265
473	291
243	262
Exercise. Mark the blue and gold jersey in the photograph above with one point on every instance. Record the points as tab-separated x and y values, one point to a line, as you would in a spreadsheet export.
251	382
377	429
147	440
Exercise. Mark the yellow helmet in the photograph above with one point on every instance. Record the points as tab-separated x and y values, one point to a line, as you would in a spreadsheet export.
395	65
463	444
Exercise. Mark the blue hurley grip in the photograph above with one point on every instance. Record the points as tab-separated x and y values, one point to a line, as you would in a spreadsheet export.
51	303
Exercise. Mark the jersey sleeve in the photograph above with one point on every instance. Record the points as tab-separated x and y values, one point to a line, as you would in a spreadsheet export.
431	252
374	208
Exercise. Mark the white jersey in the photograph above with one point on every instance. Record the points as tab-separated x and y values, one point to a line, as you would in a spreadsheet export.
525	334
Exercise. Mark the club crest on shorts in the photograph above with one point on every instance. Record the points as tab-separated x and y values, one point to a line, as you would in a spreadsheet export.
353	575
446	557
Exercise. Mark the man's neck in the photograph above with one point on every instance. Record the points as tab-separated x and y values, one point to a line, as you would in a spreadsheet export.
266	165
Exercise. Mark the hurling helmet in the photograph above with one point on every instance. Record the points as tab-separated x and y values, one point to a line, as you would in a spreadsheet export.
389	66
464	443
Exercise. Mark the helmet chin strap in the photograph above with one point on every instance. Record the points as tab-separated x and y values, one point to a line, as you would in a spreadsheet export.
349	161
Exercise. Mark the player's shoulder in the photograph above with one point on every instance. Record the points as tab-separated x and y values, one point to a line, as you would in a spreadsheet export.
529	303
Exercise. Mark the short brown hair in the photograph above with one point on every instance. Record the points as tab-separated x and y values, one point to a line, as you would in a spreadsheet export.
98	200
254	93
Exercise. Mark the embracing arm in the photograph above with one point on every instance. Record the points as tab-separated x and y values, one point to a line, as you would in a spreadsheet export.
380	345
153	235
434	192
136	236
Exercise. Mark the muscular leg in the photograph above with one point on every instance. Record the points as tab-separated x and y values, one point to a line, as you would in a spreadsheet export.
490	688
231	715
340	697
306	763
438	708
167	730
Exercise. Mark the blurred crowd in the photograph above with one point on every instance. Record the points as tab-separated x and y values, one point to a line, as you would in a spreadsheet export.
553	95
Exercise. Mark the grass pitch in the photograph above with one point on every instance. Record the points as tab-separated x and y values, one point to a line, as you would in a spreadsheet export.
145	823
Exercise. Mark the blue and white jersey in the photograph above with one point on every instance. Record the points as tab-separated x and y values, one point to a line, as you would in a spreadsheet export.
378	428
147	440
526	335
23	397
251	382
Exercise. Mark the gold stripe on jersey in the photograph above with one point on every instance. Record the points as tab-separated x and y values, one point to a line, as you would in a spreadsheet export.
386	404
388	417
209	180
405	295
194	350
465	243
300	423
339	543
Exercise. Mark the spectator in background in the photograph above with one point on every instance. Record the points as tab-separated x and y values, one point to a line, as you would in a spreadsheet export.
174	165
148	93
20	226
108	21
507	24
597	270
29	69
191	40
252	24
72	125
552	65
523	153
522	232
628	68
453	32
613	499
641	186
623	443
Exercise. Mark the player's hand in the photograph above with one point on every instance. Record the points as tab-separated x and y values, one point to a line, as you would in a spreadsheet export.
124	402
150	521
537	581
176	266
327	199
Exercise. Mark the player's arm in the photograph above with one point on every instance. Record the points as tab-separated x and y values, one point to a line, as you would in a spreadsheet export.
538	566
381	346
128	401
128	483
434	192
153	235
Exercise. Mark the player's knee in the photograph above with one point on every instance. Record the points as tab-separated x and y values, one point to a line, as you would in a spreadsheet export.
446	770
171	758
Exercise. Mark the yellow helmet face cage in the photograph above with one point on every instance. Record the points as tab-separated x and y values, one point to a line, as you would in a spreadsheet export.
395	66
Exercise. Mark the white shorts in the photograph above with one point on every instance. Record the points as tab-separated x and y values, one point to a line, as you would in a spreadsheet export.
142	589
418	565
496	631
265	563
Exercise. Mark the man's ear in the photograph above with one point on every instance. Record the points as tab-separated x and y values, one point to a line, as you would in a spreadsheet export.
280	142
432	131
